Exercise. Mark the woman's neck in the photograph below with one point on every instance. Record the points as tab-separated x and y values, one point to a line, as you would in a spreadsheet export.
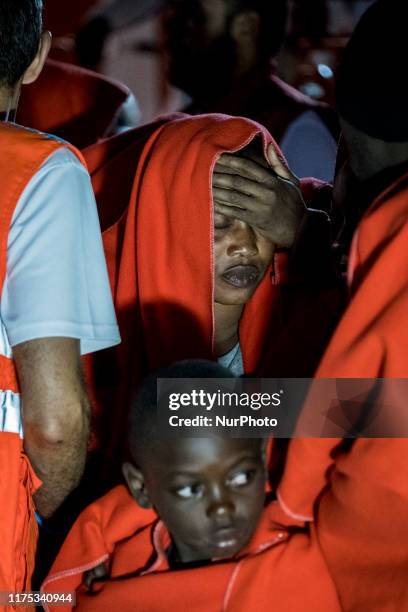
226	327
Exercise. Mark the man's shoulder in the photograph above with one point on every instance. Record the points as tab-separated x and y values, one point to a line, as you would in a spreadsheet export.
28	148
14	132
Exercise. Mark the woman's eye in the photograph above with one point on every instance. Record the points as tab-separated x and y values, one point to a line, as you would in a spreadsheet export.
221	222
240	479
190	491
221	226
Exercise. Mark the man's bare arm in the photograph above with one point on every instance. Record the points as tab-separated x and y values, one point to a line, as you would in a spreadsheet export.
55	415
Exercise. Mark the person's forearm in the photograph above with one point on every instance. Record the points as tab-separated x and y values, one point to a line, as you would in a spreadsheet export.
55	410
58	462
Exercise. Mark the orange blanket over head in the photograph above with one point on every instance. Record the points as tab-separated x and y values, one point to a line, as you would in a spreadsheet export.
160	259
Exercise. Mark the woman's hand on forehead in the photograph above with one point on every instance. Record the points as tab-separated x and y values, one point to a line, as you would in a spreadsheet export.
266	197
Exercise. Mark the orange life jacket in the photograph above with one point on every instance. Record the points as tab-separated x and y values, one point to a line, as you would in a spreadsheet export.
22	153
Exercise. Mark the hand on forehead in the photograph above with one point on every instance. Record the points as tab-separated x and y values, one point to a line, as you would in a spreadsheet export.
261	192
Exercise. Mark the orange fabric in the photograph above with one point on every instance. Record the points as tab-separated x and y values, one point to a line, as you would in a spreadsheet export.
22	153
18	525
163	285
8	376
371	339
74	103
159	256
266	575
112	164
361	517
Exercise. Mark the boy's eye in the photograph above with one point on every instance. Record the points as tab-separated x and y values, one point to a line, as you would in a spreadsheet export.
241	479
190	491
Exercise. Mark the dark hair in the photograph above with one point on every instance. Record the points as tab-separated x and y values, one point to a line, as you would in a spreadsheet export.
371	93
273	17
20	32
143	422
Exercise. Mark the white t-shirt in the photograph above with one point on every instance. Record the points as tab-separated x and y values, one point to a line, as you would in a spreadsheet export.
233	361
309	148
56	282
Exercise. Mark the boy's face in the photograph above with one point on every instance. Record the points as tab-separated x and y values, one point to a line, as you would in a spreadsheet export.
209	492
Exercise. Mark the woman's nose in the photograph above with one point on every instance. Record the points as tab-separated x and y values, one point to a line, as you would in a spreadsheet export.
243	241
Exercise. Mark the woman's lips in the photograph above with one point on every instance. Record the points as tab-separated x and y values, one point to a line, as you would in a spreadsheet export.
242	276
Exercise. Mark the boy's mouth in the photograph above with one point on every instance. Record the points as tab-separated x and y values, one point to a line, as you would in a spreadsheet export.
226	540
242	276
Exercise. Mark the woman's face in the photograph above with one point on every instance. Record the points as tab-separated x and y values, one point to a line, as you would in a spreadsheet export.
242	256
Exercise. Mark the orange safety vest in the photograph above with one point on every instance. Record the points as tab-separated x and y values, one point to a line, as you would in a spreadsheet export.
22	153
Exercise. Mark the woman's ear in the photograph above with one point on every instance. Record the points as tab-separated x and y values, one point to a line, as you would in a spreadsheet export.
34	70
136	484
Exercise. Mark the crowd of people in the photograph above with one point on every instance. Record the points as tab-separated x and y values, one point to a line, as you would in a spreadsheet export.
255	233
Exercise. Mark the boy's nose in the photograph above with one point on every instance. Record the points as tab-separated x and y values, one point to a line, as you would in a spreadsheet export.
220	507
243	241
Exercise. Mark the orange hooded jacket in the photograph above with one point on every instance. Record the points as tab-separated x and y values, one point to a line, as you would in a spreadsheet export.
361	493
22	154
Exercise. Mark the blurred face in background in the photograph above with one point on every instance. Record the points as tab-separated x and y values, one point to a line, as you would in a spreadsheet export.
201	52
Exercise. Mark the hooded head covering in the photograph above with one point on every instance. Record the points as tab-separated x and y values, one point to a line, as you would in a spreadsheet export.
160	259
167	260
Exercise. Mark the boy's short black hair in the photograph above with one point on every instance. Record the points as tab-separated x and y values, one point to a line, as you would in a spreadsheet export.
143	422
20	32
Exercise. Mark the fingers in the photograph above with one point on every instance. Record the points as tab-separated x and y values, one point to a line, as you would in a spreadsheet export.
236	182
248	195
232	212
246	168
279	166
231	199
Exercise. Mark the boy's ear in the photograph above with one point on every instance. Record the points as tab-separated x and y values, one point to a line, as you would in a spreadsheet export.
34	70
136	484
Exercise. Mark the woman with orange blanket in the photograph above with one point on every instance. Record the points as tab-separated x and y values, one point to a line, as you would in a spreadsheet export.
183	289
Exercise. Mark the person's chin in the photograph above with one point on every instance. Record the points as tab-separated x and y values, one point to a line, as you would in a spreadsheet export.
233	298
228	295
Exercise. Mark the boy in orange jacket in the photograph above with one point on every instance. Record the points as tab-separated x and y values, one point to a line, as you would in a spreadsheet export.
210	543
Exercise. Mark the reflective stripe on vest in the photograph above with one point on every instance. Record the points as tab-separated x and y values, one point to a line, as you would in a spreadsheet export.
10	413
